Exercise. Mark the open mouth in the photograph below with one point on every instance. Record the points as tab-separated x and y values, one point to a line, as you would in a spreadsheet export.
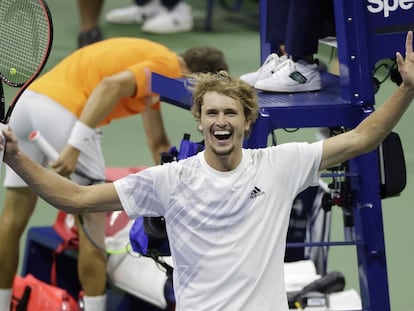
222	135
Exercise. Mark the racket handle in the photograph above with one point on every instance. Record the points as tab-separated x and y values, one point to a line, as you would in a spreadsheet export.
2	126
44	145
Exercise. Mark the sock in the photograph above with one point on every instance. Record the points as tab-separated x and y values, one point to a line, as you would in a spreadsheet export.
95	303
5	298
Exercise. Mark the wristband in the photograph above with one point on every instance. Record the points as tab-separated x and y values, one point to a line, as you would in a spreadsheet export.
81	135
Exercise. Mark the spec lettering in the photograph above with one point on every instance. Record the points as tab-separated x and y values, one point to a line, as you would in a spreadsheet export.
387	6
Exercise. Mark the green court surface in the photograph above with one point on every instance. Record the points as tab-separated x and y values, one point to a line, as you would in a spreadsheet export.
236	33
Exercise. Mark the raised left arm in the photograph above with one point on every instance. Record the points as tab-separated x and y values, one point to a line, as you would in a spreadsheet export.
373	130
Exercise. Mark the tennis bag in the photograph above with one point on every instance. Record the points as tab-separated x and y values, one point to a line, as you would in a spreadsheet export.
31	294
117	226
392	166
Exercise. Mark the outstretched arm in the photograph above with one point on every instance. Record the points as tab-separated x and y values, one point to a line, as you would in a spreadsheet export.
373	130
55	189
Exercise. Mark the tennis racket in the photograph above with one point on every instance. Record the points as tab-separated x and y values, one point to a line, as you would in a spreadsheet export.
117	224
26	35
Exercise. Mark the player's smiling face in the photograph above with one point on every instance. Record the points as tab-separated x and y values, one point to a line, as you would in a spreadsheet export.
222	123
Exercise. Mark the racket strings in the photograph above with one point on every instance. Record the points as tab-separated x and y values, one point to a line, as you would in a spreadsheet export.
25	36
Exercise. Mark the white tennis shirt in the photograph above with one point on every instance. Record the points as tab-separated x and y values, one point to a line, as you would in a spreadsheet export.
227	230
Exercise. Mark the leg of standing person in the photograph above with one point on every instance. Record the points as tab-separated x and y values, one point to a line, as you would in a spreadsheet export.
20	201
19	205
277	22
299	73
89	13
303	29
92	262
276	27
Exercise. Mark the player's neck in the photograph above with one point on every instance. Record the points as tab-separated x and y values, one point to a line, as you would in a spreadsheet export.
223	162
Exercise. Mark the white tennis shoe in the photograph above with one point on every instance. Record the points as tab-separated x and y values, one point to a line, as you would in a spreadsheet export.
135	14
292	77
265	71
179	19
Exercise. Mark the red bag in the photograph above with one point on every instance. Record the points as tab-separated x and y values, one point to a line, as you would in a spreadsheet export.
65	227
31	294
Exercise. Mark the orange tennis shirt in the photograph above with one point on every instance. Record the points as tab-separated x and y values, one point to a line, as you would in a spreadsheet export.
73	79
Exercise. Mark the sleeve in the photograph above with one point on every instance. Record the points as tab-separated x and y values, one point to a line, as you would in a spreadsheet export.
297	163
138	195
309	163
142	71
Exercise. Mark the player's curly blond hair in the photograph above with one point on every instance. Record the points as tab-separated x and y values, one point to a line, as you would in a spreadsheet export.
222	83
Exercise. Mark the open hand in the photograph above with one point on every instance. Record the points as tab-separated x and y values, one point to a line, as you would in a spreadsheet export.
66	163
8	142
406	66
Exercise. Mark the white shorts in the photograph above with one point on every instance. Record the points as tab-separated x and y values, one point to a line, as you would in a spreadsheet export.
37	112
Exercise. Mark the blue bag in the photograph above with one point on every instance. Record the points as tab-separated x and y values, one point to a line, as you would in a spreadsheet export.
142	243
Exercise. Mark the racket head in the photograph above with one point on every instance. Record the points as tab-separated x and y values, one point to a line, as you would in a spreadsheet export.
2	102
26	36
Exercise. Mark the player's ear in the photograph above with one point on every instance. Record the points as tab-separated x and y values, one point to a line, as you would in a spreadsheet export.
247	126
199	126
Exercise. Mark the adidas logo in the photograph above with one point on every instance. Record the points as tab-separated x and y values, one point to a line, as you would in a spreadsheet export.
298	77
255	193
